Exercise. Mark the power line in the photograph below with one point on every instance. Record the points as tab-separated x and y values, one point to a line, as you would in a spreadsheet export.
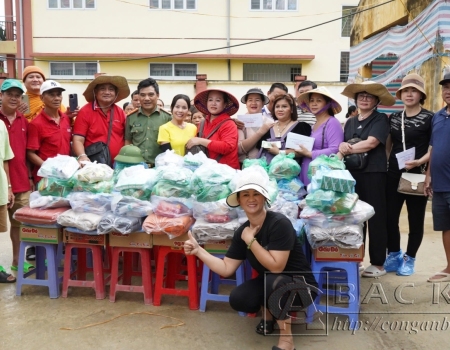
223	47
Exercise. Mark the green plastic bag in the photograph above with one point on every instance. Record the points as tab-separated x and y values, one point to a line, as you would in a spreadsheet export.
330	202
212	193
332	162
98	187
167	189
142	194
50	186
283	166
261	162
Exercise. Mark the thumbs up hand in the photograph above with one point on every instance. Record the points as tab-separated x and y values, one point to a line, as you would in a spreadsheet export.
191	246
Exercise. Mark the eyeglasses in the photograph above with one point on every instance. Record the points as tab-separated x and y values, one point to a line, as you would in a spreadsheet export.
367	97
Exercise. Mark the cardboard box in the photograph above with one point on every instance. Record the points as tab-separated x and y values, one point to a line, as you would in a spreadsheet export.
217	247
163	240
40	234
132	240
81	238
339	181
335	253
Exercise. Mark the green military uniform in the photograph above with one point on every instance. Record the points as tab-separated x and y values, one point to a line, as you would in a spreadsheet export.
142	131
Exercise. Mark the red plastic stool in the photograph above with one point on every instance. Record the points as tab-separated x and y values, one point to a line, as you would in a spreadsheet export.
169	286
80	272
128	272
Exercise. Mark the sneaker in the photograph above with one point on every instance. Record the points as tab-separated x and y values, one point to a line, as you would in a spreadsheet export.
393	261
406	267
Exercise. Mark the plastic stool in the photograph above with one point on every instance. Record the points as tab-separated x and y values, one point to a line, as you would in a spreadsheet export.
160	288
53	254
342	273
98	283
213	285
126	286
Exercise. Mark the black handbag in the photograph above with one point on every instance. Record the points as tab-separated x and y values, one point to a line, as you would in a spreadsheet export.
356	161
99	151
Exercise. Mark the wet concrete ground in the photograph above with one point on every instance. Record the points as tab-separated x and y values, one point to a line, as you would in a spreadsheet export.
401	317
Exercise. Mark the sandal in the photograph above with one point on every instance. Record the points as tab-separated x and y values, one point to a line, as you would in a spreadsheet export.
26	267
265	327
373	271
4	277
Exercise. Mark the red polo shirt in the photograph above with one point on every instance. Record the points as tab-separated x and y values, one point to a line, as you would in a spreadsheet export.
18	171
224	141
93	125
49	139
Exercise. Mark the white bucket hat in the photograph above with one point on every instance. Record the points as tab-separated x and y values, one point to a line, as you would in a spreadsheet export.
254	182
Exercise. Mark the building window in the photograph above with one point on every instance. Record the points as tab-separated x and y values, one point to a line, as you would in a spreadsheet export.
273	5
271	72
173	4
346	25
71	4
345	64
73	70
173	71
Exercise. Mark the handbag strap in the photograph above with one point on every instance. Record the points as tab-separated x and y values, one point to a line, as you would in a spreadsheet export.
323	132
214	130
111	119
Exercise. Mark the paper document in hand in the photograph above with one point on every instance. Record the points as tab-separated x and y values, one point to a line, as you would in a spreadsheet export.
294	140
405	156
270	144
251	120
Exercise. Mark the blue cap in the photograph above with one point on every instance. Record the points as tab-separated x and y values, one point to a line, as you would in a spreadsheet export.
12	83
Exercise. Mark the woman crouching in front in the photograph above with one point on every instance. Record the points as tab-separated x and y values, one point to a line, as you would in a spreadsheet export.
269	242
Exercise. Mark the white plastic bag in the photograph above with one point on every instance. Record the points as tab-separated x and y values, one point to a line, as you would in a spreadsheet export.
83	221
130	206
85	202
47	202
61	167
169	157
344	236
136	177
95	172
214	212
115	223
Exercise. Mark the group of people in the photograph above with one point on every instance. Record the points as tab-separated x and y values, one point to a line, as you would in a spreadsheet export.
29	134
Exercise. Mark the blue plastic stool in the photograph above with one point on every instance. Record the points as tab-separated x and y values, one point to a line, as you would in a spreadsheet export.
339	273
213	285
52	254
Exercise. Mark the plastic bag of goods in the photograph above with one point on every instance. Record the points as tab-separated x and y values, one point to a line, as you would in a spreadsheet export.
206	231
331	162
130	206
360	213
98	187
173	182
173	227
345	236
214	212
331	202
94	172
316	181
115	223
283	166
51	186
169	158
143	195
262	162
291	190
287	208
210	182
339	181
194	161
47	202
31	216
83	221
85	202
171	207
136	177
61	167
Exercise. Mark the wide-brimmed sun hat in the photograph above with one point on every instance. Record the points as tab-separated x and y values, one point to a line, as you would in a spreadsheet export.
412	80
376	89
123	90
303	99
200	102
255	182
255	91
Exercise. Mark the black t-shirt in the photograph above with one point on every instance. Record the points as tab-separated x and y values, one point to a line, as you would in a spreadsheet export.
376	125
417	134
276	233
